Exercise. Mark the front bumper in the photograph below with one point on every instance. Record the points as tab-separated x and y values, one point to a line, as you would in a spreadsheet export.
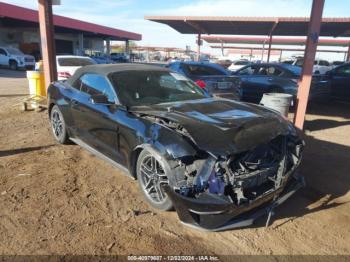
213	213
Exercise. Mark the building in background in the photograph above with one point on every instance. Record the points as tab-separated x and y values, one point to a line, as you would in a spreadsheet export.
19	27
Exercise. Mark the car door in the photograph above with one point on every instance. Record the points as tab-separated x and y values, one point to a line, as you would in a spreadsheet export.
4	59
340	86
95	123
247	75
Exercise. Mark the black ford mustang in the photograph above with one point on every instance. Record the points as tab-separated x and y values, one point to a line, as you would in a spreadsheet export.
219	163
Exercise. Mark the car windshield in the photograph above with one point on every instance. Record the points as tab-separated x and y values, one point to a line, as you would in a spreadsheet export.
139	88
242	63
296	70
14	51
203	70
288	62
75	61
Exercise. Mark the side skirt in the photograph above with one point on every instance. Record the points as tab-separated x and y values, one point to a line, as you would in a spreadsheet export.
102	156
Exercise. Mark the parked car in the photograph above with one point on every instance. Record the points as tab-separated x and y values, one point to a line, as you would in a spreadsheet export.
224	62
102	60
15	59
120	57
212	159
320	66
215	79
340	81
68	64
337	63
236	65
258	79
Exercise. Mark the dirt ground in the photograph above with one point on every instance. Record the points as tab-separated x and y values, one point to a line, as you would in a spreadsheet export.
58	199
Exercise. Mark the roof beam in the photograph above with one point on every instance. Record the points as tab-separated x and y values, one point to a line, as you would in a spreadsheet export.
200	29
275	49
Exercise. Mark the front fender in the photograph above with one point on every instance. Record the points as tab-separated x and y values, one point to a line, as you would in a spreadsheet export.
169	143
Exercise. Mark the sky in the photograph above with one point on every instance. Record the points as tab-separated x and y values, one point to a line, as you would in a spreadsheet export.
129	14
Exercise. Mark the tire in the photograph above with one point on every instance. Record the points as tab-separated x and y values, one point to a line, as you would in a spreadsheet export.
151	174
13	65
58	125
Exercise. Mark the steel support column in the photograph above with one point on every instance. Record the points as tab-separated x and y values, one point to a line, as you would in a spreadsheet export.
81	44
281	51
199	47
127	49
263	51
270	41
309	58
47	41
108	47
269	50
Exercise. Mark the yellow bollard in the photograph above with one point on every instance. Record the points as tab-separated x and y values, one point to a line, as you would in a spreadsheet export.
36	83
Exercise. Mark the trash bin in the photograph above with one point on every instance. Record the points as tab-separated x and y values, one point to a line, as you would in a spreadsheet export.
36	83
277	101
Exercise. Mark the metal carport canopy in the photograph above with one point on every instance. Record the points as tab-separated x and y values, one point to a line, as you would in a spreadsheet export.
276	41
231	25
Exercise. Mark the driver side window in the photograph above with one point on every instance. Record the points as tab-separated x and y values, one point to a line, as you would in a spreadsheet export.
247	71
94	84
2	52
343	71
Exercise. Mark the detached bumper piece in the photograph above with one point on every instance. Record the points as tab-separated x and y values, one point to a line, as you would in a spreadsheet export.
211	212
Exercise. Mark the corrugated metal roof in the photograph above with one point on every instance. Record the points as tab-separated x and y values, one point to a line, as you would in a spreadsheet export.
275	40
232	25
25	14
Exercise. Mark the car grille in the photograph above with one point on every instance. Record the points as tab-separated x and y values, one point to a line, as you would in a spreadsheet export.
30	60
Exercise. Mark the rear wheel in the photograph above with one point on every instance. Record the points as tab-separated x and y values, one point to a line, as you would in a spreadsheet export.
58	125
13	65
151	175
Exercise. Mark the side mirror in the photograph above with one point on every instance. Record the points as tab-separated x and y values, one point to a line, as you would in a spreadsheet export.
100	100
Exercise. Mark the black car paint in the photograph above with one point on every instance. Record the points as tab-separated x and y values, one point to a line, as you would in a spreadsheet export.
214	126
212	122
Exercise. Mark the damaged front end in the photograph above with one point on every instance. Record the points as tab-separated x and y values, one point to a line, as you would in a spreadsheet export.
220	193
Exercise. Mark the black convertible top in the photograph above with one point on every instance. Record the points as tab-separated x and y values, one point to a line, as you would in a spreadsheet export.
112	68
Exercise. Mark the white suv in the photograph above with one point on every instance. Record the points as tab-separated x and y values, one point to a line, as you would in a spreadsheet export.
320	66
15	59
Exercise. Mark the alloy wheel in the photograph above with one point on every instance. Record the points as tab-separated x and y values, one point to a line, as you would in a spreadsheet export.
57	124
152	179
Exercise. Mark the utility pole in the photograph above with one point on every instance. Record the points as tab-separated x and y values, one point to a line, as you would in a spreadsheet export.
47	40
309	58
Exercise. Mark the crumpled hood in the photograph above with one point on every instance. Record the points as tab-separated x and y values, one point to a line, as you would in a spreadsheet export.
221	126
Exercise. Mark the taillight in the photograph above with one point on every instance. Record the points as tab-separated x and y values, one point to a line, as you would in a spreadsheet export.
201	83
64	74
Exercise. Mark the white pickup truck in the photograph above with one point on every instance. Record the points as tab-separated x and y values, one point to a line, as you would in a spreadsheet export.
15	59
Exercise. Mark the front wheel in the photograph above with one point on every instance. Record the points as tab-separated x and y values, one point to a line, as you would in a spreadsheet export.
58	125
152	175
13	65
